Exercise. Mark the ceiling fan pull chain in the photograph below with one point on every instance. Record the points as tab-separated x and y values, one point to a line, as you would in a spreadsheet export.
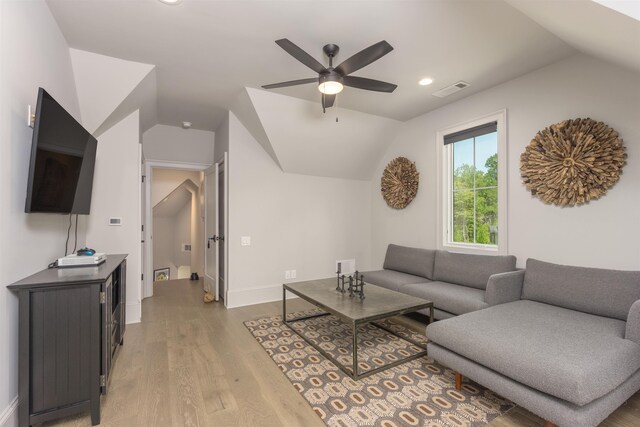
337	108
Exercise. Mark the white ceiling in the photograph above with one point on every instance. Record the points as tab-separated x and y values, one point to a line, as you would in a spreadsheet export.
206	52
305	141
604	29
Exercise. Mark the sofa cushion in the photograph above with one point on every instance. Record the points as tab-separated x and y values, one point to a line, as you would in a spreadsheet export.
391	279
575	356
449	297
597	291
470	270
416	261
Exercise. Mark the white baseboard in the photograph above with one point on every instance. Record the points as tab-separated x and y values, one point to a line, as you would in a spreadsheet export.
241	298
134	312
9	417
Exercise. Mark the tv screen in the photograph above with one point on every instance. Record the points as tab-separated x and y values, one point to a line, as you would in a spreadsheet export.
63	157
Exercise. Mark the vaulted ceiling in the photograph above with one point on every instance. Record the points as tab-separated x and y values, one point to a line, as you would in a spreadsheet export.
206	52
196	60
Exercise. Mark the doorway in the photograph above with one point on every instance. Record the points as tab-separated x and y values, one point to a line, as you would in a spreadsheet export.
216	229
173	226
176	224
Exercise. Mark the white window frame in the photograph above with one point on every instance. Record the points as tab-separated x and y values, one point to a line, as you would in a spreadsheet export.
445	187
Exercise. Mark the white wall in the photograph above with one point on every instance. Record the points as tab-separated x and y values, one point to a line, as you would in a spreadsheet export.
181	235
307	141
118	195
600	234
103	82
171	143
197	229
34	53
163	245
296	222
164	181
222	139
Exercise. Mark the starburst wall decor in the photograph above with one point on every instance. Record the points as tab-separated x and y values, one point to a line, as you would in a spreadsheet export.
399	184
572	162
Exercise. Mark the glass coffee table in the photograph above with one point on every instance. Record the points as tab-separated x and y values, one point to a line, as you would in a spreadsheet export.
379	303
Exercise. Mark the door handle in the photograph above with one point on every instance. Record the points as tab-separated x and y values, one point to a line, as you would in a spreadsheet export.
214	238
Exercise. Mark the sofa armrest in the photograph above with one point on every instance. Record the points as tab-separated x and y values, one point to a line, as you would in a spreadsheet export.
633	323
504	287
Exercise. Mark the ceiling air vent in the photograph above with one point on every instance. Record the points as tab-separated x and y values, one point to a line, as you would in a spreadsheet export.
451	89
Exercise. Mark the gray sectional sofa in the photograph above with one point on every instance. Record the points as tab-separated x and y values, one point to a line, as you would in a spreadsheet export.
565	346
456	283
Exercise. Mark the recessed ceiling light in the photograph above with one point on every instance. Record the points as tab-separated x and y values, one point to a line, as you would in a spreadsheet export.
425	82
171	2
186	125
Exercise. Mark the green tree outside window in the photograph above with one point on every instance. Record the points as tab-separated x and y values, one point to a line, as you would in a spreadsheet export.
475	190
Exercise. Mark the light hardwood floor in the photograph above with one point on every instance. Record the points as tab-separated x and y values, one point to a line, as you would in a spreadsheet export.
195	364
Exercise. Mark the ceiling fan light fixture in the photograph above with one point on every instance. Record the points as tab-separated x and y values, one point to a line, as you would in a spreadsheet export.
330	87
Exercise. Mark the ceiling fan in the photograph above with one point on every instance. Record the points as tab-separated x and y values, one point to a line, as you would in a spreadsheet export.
332	80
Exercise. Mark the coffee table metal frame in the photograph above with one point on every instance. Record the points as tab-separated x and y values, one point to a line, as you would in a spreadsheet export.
354	323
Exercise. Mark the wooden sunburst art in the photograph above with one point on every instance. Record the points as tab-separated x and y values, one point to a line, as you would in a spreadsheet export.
573	162
399	184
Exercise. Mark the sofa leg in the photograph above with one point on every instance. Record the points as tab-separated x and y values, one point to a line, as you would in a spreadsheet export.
459	383
549	424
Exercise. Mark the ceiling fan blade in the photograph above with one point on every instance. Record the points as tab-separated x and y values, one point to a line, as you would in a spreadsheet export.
301	56
291	83
328	100
368	84
364	57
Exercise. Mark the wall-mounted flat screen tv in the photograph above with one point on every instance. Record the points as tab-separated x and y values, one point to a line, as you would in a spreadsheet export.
63	155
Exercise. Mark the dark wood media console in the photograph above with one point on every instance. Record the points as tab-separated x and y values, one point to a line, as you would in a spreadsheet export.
71	326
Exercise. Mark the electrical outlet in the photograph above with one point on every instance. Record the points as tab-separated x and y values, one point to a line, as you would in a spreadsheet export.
293	274
287	274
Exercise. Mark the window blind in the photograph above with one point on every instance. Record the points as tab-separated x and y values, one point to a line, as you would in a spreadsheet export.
471	133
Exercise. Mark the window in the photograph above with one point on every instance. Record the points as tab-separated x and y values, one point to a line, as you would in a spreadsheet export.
473	193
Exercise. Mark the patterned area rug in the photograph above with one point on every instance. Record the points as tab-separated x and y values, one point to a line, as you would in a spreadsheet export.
417	393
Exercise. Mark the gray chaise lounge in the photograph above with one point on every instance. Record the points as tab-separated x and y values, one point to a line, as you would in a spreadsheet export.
456	283
567	347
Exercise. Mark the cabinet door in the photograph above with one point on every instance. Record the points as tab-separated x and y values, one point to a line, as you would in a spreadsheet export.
123	298
64	322
106	332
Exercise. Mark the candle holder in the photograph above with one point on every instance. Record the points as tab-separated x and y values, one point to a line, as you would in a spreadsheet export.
356	285
340	282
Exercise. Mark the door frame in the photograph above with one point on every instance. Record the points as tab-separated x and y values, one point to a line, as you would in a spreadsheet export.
211	196
223	167
147	289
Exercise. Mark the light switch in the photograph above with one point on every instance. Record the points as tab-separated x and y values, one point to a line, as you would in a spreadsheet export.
245	241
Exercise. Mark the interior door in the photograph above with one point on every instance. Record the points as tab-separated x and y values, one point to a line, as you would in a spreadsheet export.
143	211
211	266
